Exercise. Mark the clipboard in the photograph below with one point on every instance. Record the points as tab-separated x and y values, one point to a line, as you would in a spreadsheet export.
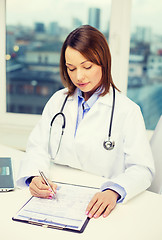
6	175
66	213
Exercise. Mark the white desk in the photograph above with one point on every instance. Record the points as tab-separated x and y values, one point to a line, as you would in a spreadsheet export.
138	219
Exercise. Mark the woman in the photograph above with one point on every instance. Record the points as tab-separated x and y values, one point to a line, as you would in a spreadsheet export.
85	67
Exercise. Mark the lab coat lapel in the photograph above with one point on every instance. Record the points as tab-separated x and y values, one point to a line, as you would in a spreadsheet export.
106	100
73	105
89	125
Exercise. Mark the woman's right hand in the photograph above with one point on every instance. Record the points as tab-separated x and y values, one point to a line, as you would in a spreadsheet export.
38	188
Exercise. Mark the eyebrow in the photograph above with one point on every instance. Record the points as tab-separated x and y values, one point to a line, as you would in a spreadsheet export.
80	63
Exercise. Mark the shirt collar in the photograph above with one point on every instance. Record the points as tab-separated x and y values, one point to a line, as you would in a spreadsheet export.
106	100
89	103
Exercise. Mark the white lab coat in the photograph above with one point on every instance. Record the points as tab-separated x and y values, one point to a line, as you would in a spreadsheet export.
129	164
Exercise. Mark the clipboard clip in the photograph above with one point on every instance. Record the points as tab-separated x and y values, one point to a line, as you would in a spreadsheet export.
44	225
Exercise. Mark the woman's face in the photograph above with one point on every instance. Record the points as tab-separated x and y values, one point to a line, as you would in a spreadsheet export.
84	74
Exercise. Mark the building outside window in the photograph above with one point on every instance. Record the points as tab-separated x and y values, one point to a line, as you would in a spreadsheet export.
145	60
35	31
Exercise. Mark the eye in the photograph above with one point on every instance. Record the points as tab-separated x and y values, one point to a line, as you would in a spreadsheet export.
89	67
71	69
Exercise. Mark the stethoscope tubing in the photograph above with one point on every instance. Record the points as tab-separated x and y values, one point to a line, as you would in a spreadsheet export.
112	113
60	113
108	144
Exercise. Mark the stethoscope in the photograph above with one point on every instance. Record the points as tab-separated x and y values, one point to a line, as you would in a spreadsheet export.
107	144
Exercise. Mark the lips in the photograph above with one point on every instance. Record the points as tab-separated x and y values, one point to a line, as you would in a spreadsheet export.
82	84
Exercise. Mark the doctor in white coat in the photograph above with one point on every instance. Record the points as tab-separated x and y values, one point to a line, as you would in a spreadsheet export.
104	130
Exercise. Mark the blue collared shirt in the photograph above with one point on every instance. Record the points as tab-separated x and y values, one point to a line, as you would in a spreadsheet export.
84	106
83	109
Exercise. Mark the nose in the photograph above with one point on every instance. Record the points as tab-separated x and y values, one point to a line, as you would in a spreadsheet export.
80	74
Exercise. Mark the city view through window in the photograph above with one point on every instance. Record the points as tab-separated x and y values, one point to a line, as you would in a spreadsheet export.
145	60
35	32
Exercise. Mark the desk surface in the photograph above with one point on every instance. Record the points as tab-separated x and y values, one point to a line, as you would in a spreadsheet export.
138	219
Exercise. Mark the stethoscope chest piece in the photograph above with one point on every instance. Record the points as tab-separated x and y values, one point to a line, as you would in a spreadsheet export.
108	145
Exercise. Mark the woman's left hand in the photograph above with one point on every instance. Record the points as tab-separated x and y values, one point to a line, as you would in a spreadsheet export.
102	203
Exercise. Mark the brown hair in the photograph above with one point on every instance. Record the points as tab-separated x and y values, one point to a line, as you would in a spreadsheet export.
92	44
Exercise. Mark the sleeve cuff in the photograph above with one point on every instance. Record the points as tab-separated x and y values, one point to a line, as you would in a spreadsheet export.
28	180
115	187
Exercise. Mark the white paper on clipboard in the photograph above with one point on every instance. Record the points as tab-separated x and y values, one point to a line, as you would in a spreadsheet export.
66	212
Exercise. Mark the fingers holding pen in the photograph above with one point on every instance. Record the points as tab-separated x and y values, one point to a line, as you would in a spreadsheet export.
38	188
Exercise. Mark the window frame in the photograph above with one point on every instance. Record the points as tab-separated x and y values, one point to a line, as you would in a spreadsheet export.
119	39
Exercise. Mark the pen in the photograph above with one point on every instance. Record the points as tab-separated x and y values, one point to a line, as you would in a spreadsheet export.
47	183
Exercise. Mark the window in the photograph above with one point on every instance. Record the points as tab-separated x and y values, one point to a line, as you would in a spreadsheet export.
35	31
28	54
145	82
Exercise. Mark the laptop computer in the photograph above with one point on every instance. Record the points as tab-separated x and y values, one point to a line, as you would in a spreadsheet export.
6	175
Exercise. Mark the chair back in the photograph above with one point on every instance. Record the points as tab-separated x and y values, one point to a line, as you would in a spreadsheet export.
156	146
